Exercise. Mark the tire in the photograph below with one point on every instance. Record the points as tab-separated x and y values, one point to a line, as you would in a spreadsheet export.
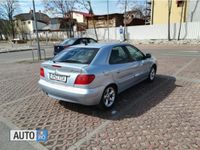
108	98
152	74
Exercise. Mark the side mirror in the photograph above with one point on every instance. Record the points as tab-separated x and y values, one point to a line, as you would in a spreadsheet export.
148	55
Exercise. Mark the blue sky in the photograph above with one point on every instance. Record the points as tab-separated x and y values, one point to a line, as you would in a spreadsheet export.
99	6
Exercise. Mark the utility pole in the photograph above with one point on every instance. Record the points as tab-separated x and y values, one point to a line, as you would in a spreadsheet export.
36	29
169	17
108	20
125	7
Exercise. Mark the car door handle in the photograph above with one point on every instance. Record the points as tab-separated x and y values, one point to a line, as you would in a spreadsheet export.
106	73
118	71
141	63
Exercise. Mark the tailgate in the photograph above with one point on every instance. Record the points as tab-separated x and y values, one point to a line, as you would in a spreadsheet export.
62	73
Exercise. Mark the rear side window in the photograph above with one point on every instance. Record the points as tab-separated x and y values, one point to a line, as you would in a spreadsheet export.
77	55
68	42
92	41
135	53
118	56
81	41
78	41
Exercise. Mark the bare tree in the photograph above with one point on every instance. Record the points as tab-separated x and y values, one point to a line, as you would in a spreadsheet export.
8	8
61	7
4	29
125	17
86	4
169	17
129	6
20	30
133	5
181	18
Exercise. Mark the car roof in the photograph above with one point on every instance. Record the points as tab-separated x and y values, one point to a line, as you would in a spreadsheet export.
76	38
99	45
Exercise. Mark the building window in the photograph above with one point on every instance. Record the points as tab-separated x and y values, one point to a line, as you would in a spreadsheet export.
24	22
180	3
17	24
29	22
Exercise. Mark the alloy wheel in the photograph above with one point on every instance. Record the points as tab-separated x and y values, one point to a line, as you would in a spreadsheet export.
109	97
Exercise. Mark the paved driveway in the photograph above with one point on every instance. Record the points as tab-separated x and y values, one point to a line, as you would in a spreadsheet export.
164	114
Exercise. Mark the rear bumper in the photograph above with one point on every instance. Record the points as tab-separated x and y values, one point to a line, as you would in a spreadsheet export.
72	94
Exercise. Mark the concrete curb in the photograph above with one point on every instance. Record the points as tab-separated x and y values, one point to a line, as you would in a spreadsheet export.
18	50
34	145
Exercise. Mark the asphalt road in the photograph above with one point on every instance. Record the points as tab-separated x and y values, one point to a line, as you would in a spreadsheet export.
165	50
23	55
163	114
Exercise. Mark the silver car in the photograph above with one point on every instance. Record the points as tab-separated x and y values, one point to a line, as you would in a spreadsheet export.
94	74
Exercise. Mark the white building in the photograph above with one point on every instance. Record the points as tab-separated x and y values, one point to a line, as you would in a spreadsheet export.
80	17
24	23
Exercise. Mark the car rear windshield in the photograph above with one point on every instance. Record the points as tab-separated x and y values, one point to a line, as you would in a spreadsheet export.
68	42
77	55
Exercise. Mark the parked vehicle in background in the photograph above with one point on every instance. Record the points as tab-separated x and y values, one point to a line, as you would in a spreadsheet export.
72	41
94	74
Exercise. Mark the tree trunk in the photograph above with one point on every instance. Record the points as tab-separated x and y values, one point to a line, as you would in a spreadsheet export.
95	31
12	29
152	13
91	12
70	29
125	6
169	18
180	24
1	37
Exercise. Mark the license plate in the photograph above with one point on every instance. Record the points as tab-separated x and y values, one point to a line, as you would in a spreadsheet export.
57	77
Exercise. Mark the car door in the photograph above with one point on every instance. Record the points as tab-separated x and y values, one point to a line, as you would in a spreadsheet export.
140	60
121	67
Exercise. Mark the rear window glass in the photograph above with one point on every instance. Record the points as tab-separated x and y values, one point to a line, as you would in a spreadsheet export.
68	42
76	55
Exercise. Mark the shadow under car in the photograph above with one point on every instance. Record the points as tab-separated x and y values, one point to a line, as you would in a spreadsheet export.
134	101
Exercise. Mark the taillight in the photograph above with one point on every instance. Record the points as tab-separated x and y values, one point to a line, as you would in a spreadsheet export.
84	79
42	72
